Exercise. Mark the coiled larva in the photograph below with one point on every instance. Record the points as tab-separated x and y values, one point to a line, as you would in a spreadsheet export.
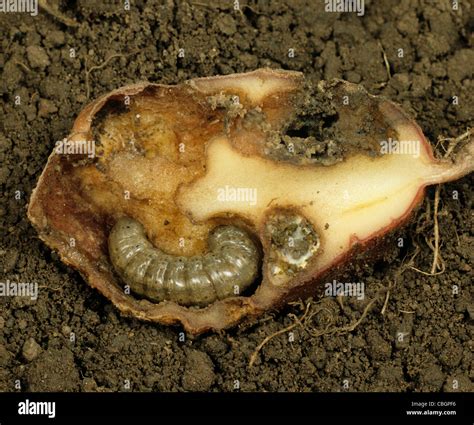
227	269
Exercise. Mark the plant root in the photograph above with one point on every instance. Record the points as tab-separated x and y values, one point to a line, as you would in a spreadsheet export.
56	14
438	266
303	322
298	322
102	65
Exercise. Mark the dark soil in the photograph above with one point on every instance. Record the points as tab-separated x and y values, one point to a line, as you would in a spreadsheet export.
72	339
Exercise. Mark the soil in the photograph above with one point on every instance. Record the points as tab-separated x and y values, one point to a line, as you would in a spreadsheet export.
418	338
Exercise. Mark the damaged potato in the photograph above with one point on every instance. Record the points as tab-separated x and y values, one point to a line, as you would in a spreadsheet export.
214	200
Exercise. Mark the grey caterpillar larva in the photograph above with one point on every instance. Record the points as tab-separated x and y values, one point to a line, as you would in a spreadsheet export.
228	268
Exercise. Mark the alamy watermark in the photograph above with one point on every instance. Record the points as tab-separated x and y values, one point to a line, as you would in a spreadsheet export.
357	6
346	289
19	6
45	408
237	194
75	147
403	147
19	289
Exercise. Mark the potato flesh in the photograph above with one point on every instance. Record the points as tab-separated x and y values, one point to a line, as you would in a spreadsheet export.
255	88
346	202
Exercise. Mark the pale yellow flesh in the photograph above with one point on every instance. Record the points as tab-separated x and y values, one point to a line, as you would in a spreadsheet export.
352	199
255	88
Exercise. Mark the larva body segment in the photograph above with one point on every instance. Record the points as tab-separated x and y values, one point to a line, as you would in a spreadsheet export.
227	269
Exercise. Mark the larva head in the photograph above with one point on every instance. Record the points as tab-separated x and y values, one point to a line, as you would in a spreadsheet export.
307	175
293	242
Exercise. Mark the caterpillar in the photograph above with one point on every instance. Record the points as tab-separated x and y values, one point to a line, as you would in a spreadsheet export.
228	268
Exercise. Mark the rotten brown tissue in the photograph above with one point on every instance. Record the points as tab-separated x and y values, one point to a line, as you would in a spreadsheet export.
308	176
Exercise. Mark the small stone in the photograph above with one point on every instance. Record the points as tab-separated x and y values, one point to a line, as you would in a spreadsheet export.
227	24
31	349
66	331
11	76
421	84
37	57
118	343
409	24
46	107
30	112
432	378
400	82
353	77
199	372
250	61
81	98
2	322
55	38
451	354
215	346
438	70
151	380
458	68
390	373
22	324
89	385
318	356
